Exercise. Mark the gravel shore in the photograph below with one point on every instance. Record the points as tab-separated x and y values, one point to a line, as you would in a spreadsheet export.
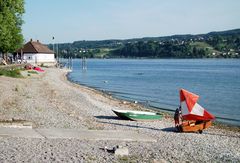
49	100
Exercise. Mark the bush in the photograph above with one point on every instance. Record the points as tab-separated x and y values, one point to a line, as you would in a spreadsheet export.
11	73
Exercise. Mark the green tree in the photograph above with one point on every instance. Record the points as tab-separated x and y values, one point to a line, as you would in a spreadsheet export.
11	38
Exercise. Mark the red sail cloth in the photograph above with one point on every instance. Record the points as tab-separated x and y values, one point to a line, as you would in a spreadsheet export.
191	99
205	117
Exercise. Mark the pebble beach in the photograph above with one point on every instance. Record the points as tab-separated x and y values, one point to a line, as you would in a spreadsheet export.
49	100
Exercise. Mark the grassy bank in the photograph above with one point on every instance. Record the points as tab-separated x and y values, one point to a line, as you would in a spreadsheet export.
11	73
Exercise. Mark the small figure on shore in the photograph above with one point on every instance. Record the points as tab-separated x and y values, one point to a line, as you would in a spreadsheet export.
180	115
177	118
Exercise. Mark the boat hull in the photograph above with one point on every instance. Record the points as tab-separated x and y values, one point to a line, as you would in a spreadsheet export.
194	126
137	115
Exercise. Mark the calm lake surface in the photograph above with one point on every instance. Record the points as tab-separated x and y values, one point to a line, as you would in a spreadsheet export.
156	82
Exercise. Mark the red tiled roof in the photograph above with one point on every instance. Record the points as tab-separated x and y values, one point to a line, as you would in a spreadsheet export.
35	47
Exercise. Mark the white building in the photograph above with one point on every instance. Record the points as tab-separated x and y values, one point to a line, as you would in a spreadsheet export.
34	52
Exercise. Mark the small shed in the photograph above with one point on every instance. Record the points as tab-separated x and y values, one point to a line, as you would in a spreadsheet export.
34	52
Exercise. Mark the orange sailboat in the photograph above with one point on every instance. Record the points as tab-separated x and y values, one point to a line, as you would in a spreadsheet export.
194	117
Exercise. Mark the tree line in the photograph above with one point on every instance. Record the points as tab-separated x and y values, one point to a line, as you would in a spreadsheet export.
225	44
151	49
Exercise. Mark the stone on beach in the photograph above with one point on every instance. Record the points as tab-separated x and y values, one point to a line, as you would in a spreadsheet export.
121	151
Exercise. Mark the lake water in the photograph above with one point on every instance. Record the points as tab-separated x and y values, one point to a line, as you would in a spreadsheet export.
156	82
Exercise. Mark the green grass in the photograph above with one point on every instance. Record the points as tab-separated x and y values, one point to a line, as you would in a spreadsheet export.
203	45
32	72
103	52
11	73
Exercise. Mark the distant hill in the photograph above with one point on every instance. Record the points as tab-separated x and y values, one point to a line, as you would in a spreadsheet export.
221	44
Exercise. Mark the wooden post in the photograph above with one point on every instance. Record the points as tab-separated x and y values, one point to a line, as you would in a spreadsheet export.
84	63
21	55
68	62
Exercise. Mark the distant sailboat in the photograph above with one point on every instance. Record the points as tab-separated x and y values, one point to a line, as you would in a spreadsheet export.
194	116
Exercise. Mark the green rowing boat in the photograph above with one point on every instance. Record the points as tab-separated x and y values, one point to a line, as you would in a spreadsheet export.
137	115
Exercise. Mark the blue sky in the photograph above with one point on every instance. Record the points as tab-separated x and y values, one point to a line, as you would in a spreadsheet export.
72	20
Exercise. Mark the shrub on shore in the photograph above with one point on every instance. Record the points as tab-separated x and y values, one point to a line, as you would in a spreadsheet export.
11	73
